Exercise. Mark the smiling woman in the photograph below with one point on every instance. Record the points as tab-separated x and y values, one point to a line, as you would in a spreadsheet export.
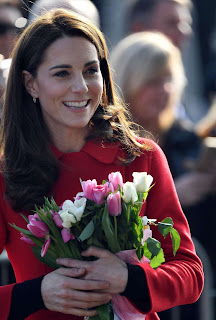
69	86
63	121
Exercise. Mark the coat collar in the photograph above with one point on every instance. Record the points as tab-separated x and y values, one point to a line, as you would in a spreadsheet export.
104	152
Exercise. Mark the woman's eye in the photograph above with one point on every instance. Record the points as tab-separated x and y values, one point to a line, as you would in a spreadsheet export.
61	74
92	70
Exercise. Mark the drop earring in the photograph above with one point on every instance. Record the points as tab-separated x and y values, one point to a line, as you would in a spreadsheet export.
34	99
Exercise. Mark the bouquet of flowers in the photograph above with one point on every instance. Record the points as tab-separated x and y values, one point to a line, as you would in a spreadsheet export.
106	216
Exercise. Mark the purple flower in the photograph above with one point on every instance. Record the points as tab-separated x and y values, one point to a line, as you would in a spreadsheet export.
27	240
100	192
116	180
37	227
67	235
87	187
45	246
114	204
57	219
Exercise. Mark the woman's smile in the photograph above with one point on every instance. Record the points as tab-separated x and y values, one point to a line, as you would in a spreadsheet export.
76	105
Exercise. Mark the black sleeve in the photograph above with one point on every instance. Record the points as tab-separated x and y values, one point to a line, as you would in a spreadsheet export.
137	288
26	299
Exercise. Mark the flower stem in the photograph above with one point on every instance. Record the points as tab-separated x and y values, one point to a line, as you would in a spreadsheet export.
128	213
116	227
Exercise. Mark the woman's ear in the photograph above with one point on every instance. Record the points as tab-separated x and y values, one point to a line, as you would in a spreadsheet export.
30	85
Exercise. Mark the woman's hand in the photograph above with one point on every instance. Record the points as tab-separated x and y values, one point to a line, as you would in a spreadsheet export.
64	291
107	267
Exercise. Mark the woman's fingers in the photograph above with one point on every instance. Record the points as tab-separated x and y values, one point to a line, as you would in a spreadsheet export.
86	285
71	272
62	293
79	300
108	268
90	252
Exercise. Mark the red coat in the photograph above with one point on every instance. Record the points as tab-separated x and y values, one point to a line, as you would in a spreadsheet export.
176	282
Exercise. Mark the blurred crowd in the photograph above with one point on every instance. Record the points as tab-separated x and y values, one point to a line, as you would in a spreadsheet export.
150	75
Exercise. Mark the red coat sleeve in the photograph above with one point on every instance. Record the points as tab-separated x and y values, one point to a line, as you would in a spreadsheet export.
5	291
180	279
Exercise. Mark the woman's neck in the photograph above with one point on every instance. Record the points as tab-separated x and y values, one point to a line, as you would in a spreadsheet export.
69	142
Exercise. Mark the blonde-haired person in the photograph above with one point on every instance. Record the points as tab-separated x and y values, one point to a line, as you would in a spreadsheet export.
149	75
62	121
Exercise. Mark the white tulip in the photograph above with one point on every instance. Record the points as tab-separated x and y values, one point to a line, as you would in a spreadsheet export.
67	205
129	192
72	212
67	218
79	204
142	181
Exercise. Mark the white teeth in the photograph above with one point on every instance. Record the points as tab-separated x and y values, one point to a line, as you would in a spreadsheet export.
76	104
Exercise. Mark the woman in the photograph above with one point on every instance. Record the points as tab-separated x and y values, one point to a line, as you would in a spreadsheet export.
62	121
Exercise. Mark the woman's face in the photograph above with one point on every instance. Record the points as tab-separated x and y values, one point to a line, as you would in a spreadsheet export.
151	99
69	85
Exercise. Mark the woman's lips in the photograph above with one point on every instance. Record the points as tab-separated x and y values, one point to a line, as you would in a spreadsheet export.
76	104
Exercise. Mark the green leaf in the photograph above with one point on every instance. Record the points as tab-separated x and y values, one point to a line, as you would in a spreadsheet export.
175	240
109	232
146	251
168	220
75	253
47	259
157	260
153	246
87	231
24	231
24	217
104	312
164	228
140	252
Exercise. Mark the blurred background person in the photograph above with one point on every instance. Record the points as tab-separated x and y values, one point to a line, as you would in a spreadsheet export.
4	69
11	23
149	74
174	19
83	7
170	17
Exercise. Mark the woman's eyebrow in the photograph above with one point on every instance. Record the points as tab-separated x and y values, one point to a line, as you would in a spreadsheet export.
91	62
67	66
61	66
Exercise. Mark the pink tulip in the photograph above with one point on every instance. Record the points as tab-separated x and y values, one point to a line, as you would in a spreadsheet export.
87	187
116	180
45	246
57	219
66	236
37	227
27	240
114	204
100	192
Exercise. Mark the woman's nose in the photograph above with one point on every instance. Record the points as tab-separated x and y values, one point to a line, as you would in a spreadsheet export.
79	84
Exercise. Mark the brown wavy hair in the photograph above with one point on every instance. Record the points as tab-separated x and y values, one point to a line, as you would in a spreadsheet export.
30	169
